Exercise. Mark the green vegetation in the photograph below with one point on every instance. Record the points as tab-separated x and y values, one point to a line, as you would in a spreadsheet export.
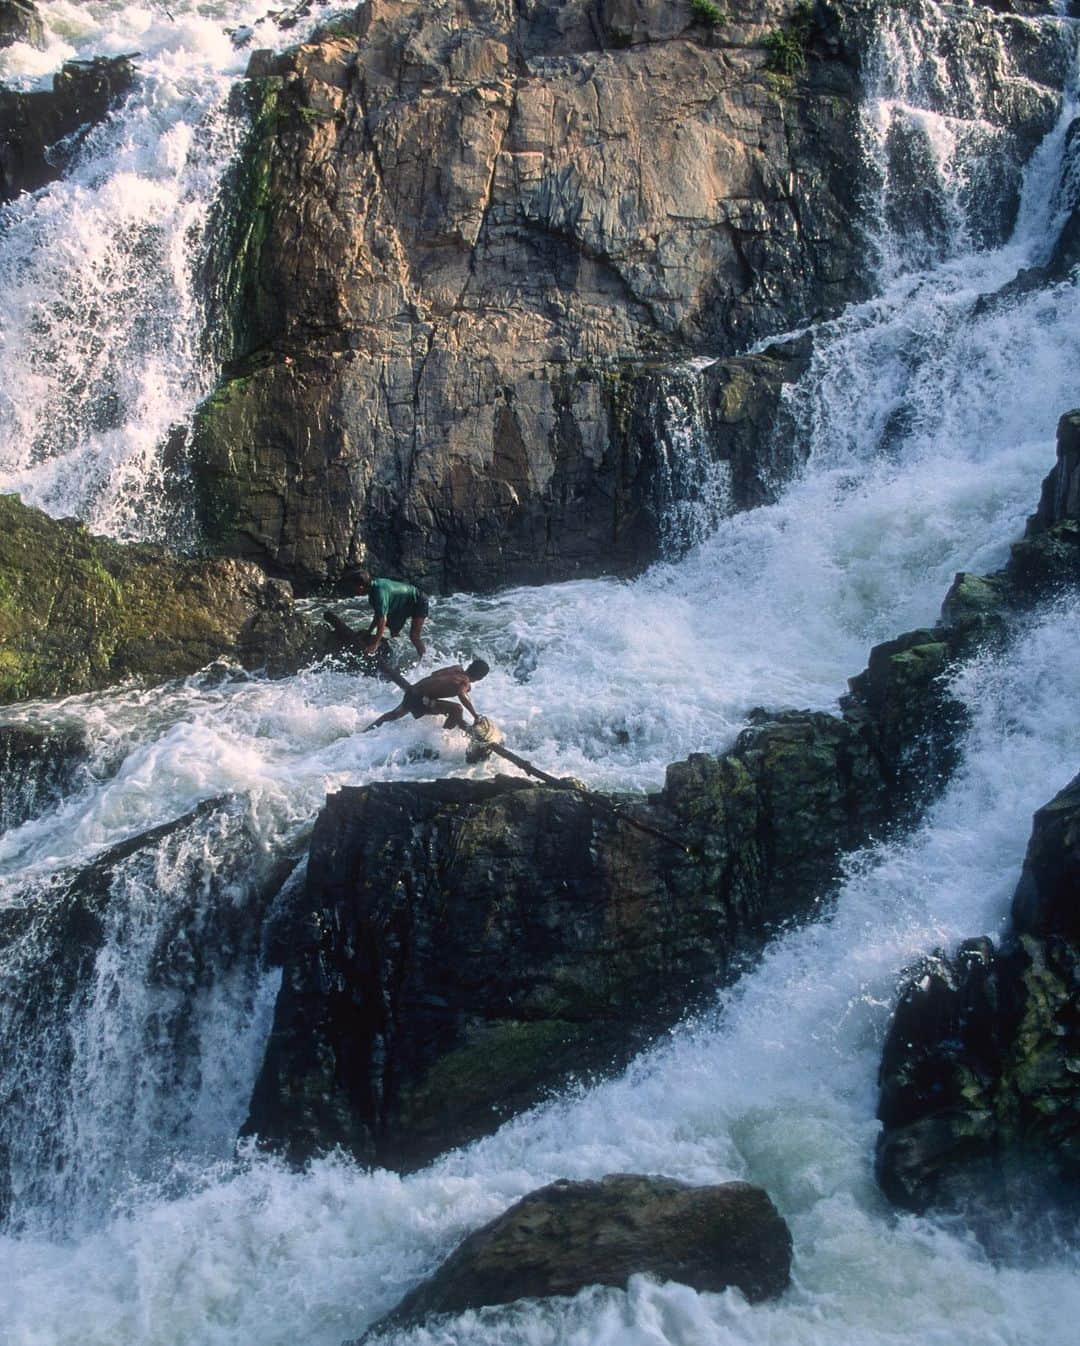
80	612
708	13
787	46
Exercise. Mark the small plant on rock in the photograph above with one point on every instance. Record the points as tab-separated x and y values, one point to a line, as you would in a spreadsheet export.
706	12
787	46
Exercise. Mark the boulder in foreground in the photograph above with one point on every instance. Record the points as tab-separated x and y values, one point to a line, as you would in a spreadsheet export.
564	1237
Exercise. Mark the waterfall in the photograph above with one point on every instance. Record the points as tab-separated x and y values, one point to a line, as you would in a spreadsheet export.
104	351
121	1063
136	991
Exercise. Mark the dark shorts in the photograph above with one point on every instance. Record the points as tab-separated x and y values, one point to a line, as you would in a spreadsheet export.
421	608
417	704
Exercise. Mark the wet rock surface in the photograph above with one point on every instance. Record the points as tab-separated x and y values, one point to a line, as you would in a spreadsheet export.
461	947
980	1096
980	1100
80	612
38	766
20	22
40	131
572	1234
514	228
150	904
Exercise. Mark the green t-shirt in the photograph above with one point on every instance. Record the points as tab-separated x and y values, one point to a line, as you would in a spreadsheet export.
394	600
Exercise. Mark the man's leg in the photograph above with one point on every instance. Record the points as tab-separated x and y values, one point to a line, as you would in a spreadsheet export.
394	714
416	626
455	715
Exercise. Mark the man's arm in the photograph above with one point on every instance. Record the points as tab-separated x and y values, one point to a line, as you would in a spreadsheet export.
378	620
375	634
464	699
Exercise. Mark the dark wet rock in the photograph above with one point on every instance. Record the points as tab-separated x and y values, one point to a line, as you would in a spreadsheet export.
914	720
41	131
564	1237
1047	559
1060	499
38	766
346	645
80	612
516	229
980	1092
20	22
1046	904
462	947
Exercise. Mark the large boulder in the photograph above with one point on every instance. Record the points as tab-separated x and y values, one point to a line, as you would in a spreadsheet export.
518	224
461	947
980	1095
80	612
41	131
564	1237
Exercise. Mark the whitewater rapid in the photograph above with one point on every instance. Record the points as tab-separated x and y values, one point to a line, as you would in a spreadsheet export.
930	417
103	322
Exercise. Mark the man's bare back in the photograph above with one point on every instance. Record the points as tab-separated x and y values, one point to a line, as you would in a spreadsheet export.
426	696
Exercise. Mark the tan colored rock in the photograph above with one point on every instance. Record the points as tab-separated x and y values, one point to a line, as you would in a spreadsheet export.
466	240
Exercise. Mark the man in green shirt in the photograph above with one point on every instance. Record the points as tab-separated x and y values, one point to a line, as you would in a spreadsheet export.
393	603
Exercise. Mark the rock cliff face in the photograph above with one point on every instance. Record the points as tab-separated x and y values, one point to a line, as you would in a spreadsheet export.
470	244
79	612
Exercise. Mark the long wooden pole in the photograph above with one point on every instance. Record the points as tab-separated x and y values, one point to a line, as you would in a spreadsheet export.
557	782
597	801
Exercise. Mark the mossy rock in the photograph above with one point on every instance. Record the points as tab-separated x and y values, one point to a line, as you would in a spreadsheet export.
80	612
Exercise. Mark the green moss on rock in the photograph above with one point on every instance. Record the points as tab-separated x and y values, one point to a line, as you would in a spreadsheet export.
80	612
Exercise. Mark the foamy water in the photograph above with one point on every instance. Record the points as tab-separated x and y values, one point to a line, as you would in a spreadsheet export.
931	421
103	345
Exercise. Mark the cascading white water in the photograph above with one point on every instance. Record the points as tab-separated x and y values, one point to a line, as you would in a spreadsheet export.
103	344
930	412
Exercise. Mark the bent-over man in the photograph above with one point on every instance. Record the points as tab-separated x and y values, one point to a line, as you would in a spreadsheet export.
427	697
393	603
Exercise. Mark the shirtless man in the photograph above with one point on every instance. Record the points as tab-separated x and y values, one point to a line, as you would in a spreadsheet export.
424	697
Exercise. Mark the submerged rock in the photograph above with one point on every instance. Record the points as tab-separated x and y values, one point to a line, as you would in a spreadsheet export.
569	1235
980	1092
37	768
80	612
20	22
41	131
